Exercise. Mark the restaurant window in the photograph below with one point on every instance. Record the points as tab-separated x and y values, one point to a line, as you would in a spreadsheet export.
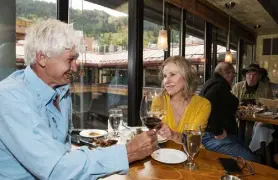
174	25
267	47
152	78
152	56
275	46
101	81
247	57
270	46
28	12
221	41
194	45
233	46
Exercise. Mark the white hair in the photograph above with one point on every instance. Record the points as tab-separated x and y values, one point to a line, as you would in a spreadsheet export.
50	37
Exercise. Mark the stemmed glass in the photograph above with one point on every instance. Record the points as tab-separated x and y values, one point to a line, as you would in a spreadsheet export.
152	109
115	119
275	92
191	141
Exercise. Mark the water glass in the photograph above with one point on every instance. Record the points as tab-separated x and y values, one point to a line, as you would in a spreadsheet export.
192	138
124	110
115	120
274	111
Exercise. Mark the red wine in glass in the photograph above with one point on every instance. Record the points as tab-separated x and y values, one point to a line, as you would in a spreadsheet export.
151	122
151	114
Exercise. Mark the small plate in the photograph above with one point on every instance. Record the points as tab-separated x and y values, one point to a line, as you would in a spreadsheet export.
93	133
259	109
169	156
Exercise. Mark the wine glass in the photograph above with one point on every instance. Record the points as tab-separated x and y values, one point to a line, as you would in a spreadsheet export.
191	141
275	92
115	119
152	109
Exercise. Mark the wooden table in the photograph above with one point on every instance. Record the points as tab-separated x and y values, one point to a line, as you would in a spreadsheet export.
209	168
259	118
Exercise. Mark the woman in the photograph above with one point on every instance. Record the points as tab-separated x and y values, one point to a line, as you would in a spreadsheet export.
183	106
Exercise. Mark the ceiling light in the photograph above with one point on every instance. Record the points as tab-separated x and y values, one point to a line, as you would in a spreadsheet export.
162	41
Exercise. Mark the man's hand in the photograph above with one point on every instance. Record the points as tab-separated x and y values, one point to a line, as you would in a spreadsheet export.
222	136
141	146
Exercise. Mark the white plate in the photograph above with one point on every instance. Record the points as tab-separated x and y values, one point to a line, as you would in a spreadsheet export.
169	156
93	133
258	109
267	113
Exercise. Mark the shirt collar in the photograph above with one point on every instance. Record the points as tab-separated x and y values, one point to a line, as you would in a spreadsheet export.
219	77
43	91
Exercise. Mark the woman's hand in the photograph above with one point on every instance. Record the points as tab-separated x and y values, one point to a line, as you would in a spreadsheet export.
221	136
166	132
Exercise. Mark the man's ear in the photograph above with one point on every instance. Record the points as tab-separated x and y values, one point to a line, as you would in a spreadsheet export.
41	59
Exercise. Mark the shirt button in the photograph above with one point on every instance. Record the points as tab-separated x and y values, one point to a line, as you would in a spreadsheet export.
54	137
35	131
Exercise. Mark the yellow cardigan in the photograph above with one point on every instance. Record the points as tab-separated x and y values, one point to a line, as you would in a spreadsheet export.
196	112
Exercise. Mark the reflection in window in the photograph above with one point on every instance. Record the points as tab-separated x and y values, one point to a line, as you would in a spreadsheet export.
152	56
28	12
102	79
194	52
194	44
175	37
152	78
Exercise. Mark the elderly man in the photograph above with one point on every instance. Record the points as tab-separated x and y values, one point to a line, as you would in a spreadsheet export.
35	115
248	92
221	132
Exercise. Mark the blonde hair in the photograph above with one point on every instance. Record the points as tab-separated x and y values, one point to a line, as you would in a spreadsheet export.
188	74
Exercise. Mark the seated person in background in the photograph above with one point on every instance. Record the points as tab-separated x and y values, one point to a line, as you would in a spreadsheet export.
183	106
248	92
221	132
35	115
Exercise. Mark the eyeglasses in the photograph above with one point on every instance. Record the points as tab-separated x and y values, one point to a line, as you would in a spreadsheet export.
233	73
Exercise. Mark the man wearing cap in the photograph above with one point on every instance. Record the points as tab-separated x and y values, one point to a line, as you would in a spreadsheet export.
248	92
